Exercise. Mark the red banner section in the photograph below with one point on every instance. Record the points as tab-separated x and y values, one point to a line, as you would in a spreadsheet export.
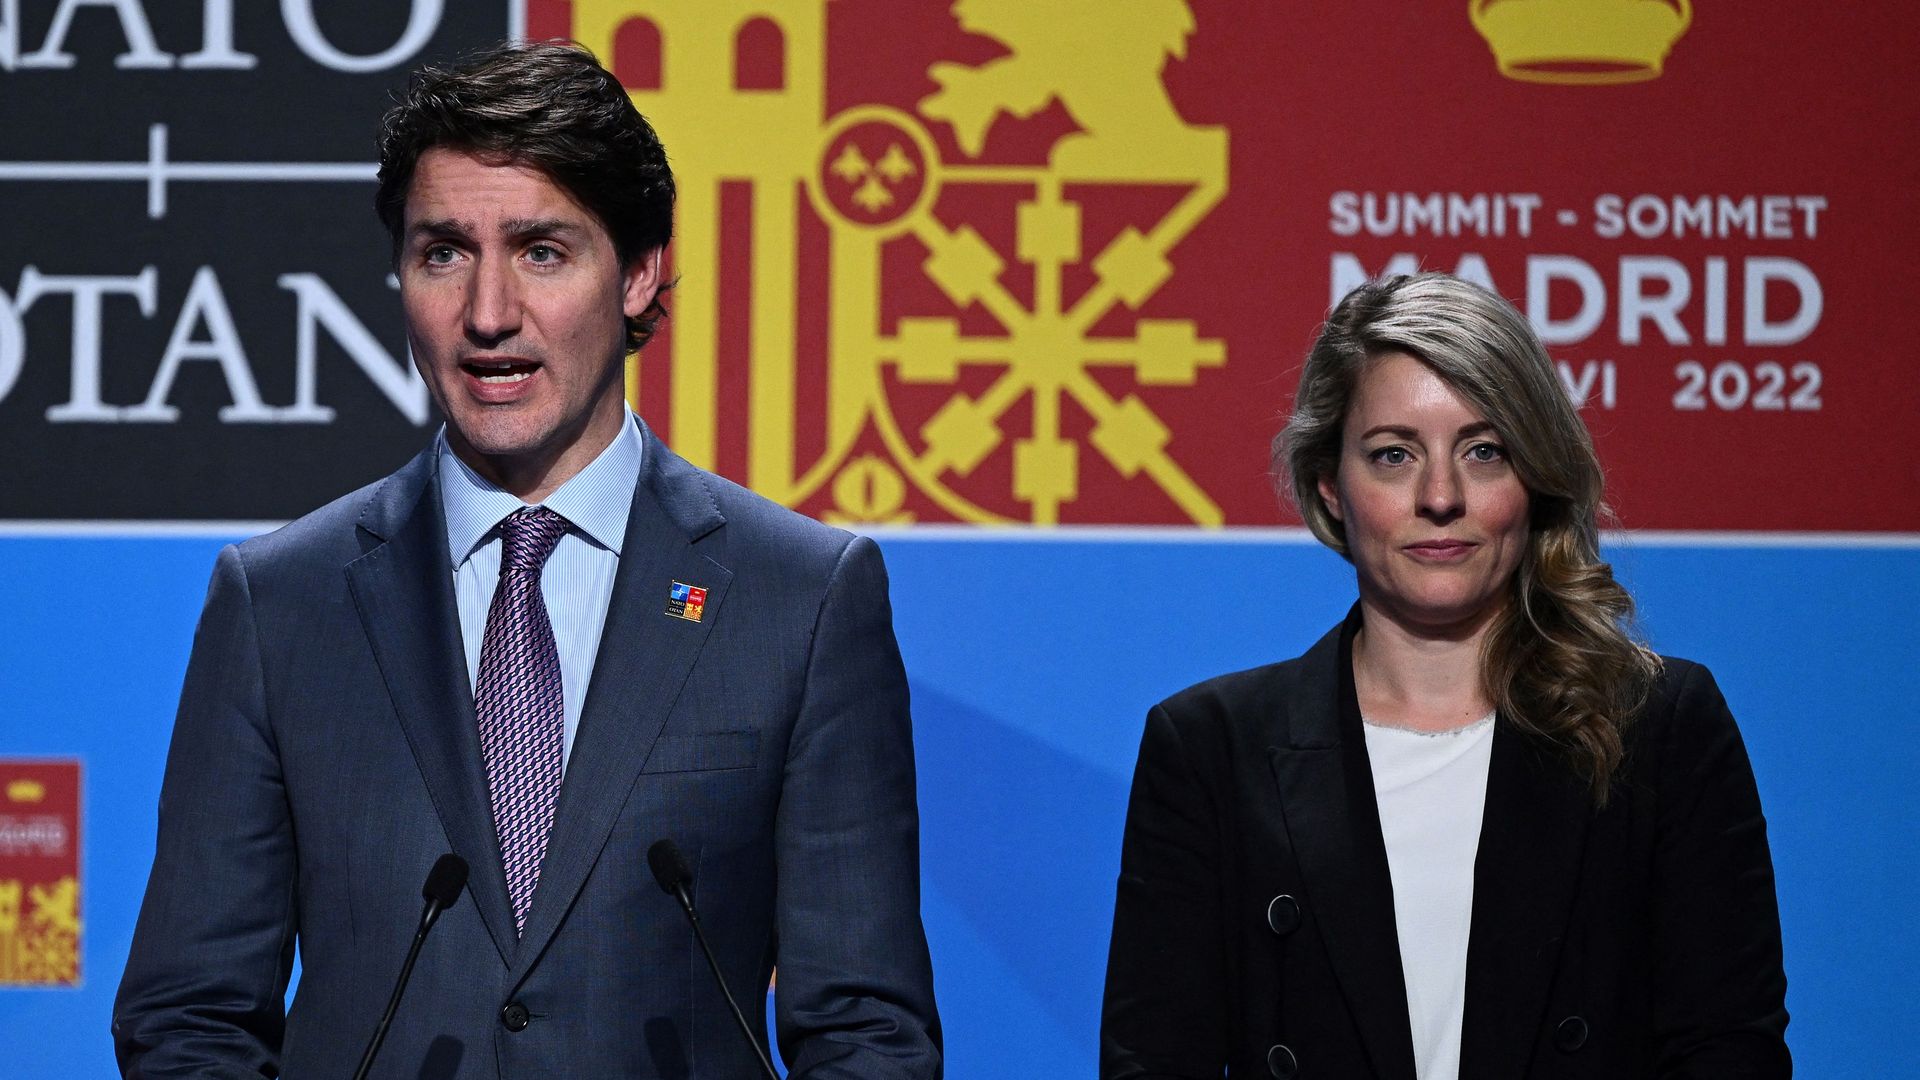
1045	263
39	873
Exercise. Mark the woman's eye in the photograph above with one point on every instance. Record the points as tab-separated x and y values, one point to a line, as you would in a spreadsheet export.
1391	455
1486	452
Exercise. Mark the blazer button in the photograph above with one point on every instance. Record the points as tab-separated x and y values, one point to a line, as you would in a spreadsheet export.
1570	1035
1281	1062
514	1017
1283	915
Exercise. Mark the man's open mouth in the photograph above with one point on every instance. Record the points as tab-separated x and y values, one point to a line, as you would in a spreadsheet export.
499	372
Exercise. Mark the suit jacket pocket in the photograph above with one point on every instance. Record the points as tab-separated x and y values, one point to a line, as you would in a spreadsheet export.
704	752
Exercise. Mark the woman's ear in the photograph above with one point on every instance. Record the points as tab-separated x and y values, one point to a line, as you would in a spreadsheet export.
1330	495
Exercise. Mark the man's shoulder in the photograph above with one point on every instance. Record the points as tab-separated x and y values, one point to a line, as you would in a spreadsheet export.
735	524
332	533
761	530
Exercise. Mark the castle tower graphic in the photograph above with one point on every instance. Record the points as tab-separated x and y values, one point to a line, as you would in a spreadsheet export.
771	136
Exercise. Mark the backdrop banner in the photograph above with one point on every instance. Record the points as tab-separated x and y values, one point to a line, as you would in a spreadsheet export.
1000	263
39	873
196	316
987	279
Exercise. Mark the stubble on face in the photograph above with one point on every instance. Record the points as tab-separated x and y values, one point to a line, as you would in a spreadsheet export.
516	301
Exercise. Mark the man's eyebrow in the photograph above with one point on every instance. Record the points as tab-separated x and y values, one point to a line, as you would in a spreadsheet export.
448	227
525	227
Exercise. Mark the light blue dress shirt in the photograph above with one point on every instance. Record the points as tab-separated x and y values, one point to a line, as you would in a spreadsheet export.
577	582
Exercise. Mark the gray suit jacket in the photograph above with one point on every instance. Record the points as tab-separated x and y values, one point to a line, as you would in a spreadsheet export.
326	753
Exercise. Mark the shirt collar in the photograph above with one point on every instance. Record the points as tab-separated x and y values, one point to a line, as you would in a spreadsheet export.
595	501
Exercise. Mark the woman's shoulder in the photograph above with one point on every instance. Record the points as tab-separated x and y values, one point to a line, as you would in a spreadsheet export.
1258	696
1232	690
1686	721
1675	672
1682	690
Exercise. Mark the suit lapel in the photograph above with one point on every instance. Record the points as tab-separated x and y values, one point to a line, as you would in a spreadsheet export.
1531	841
644	659
1333	824
403	590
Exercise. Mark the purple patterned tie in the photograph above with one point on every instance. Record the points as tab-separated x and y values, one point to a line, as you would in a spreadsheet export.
517	699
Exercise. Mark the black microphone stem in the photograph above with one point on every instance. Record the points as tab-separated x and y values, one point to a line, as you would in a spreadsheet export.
693	918
400	987
444	882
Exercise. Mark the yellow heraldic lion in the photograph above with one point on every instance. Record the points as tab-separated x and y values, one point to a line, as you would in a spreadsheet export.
1102	60
56	908
40	933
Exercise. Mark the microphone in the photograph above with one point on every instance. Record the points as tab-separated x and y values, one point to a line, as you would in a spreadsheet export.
444	882
671	871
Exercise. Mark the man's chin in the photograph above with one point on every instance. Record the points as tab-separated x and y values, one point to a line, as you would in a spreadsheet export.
498	441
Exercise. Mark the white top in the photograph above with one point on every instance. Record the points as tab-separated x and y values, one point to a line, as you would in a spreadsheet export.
1432	789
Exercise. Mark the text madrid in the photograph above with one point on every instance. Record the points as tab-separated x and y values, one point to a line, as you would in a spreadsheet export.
1652	298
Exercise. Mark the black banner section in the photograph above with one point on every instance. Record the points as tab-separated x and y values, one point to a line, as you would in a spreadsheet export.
197	318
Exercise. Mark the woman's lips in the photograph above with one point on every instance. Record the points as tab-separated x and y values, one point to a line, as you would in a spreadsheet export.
1440	550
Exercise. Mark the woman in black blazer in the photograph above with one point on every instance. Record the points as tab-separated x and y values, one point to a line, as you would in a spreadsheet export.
1477	831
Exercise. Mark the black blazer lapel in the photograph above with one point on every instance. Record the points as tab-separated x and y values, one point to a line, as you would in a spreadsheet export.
644	659
403	589
1333	825
1532	837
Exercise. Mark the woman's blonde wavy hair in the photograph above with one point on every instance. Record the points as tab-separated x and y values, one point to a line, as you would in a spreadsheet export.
1559	661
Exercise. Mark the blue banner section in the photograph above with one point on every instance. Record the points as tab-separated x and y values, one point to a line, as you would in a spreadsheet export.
1033	662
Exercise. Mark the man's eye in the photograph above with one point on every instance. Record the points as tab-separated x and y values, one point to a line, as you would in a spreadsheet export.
543	253
439	255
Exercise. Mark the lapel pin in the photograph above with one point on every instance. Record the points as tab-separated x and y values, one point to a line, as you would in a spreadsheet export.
686	601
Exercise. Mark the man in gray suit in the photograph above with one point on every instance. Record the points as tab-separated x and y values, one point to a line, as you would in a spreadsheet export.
544	644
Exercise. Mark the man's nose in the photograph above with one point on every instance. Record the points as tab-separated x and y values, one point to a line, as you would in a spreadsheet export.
493	303
1442	496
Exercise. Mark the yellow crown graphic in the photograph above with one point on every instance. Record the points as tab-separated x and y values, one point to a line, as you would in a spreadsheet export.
1581	41
25	790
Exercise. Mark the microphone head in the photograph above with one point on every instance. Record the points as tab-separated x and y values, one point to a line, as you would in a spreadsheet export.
445	880
669	866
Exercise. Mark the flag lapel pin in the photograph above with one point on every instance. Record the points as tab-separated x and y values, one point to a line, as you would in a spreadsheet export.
686	601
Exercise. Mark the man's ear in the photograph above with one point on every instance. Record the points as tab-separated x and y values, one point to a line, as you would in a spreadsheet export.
1330	495
641	281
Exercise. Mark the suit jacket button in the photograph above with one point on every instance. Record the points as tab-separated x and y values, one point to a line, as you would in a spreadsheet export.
1283	915
1281	1062
1571	1035
514	1017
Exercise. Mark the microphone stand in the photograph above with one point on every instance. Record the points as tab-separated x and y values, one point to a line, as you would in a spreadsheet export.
671	871
444	882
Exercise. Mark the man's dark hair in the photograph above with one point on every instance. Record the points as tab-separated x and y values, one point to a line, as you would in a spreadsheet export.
552	106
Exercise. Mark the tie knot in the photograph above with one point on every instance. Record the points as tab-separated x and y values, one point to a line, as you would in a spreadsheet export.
528	536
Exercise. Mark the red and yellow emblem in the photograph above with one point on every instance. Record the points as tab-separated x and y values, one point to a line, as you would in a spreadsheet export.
900	304
39	873
999	262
